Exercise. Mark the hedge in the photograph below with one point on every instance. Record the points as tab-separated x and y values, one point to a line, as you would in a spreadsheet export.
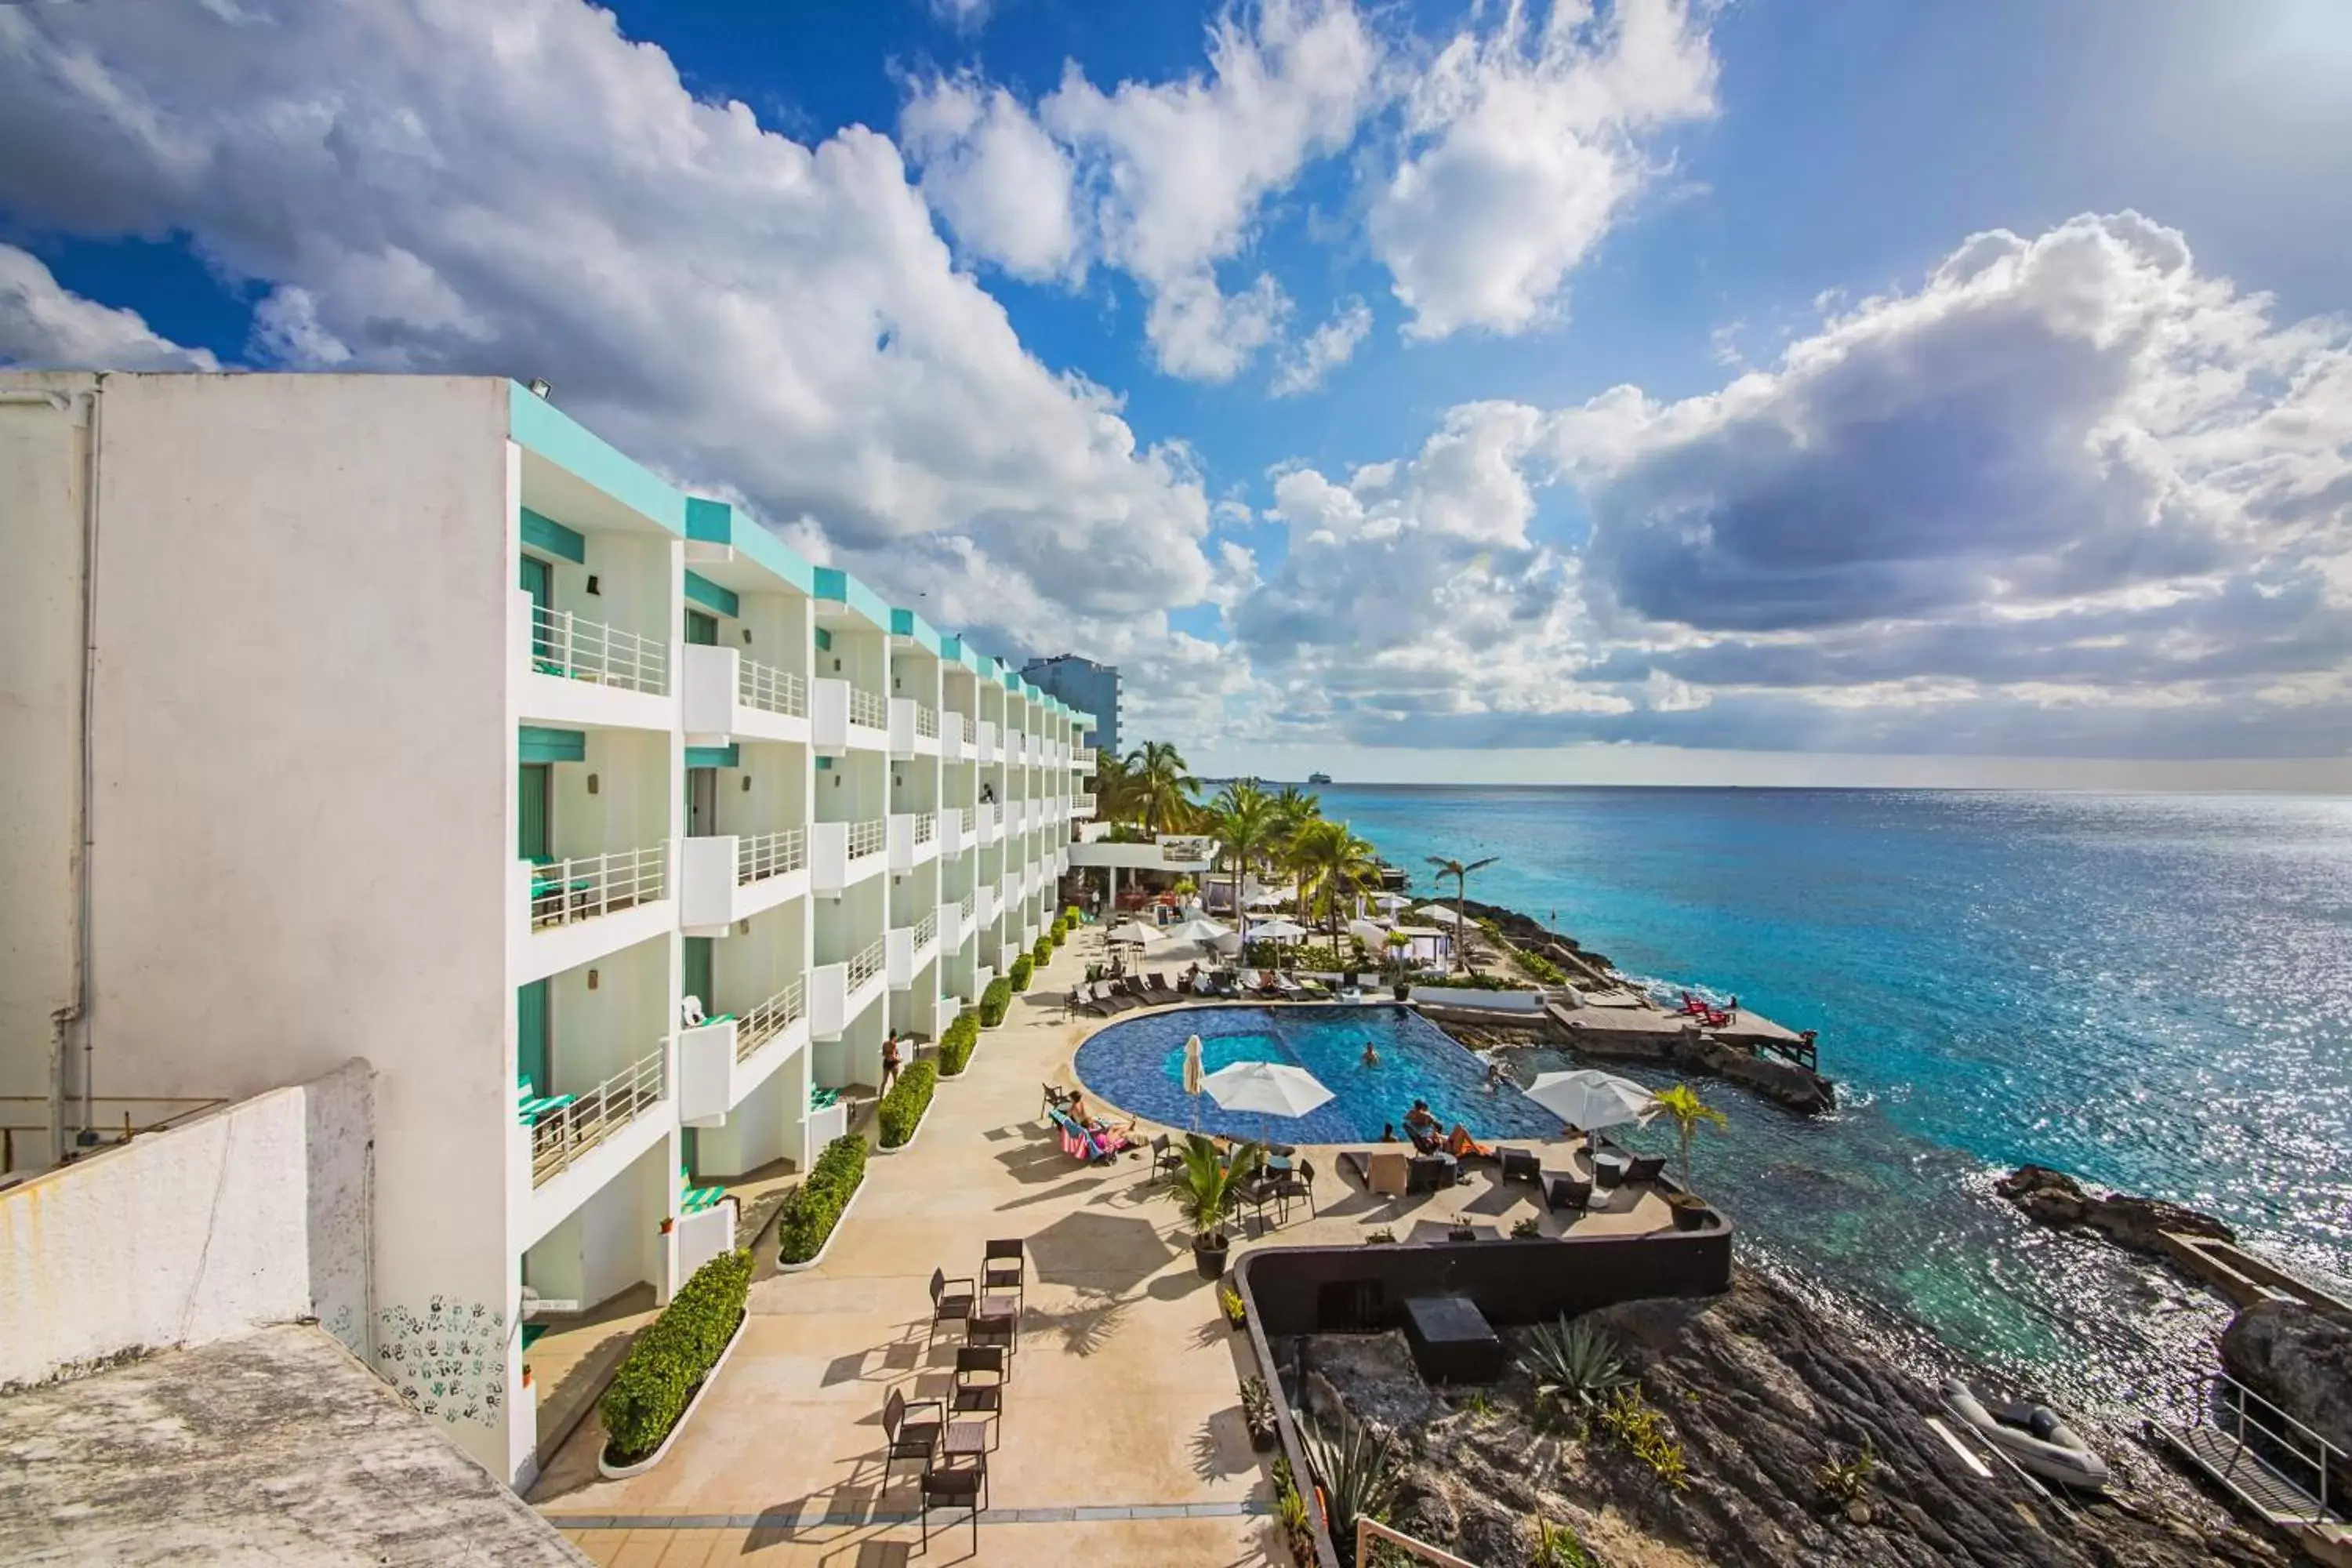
1022	968
1043	954
1291	955
956	1044
1538	966
1070	915
1059	932
902	1109
1472	981
994	1001
810	1212
672	1355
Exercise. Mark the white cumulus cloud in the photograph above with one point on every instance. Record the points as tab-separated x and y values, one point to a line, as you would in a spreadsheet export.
46	326
1324	350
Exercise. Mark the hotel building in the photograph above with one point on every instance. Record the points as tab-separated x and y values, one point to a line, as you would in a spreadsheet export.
403	718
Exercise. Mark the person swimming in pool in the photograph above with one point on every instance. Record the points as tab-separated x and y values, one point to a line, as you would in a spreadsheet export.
1371	1053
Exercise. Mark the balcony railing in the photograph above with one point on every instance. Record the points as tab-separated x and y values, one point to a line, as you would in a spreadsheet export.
761	856
771	1019
970	901
955	727
773	690
927	930
866	965
560	1137
927	827
580	889
926	721
564	643
868	708
868	837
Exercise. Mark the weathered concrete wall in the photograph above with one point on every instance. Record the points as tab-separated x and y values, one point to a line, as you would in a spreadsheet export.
255	1215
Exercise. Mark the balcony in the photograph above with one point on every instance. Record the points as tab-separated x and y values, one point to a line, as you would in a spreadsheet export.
1082	806
563	1138
954	834
914	838
955	737
843	854
839	993
907	948
581	673
985	828
721	1061
986	906
1082	758
954	923
726	697
841	716
914	729
727	877
984	748
573	647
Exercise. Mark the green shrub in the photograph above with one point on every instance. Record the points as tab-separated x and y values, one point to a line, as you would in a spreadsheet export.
814	1206
672	1355
1022	968
1538	967
1291	955
956	1044
902	1109
1043	954
1473	982
1059	932
994	1001
1071	916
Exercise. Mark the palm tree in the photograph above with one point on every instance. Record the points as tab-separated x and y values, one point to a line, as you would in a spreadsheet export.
1461	875
1242	820
1164	782
1118	797
1294	808
1325	855
1689	1113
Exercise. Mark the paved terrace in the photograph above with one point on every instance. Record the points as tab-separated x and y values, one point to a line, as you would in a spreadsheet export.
1121	1440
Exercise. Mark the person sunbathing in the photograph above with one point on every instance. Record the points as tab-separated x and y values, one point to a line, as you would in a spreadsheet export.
1421	1121
1112	1134
1461	1146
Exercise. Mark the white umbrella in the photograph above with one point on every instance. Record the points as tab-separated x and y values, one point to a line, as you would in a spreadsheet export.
1391	900
1266	897
1134	931
1200	928
1589	1099
1192	1076
1277	930
1270	1088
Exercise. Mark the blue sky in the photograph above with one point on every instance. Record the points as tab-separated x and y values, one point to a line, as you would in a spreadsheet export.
1767	389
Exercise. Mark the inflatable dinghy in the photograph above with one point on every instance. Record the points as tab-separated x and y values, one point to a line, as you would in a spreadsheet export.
2035	1435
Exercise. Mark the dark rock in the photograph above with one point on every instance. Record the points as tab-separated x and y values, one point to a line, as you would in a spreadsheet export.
2299	1357
2053	1198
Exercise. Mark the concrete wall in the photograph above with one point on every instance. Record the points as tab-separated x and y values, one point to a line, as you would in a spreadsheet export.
256	1214
43	466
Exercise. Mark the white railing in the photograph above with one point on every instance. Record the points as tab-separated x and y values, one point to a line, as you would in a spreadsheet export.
1083	756
1084	804
970	900
587	886
865	966
985	816
927	930
771	1019
868	837
956	727
563	1135
562	644
965	813
761	856
867	709
927	827
773	690
926	721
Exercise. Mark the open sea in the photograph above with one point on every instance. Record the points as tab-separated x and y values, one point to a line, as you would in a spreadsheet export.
2149	992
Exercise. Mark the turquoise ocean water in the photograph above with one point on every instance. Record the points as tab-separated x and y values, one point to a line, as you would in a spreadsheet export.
2150	992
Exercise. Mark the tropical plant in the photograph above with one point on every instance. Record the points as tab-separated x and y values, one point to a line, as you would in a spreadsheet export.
1629	1419
1117	796
1689	1113
1529	1228
1358	1473
1205	1184
671	1356
1237	1309
1576	1365
901	1110
811	1209
1328	858
1460	872
1257	1404
1844	1482
1244	822
1558	1546
1164	786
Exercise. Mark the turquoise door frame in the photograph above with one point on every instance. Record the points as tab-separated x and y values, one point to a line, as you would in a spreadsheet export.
532	1064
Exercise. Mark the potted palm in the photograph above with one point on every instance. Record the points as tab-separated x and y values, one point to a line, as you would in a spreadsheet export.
1398	966
1204	1187
1689	1113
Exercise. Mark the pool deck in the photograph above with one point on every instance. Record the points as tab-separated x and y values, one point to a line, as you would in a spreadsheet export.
1121	1439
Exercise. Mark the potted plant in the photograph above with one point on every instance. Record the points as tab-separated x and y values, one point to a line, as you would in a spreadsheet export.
1528	1230
1689	1114
1384	1237
1204	1187
1398	965
1257	1413
1236	1310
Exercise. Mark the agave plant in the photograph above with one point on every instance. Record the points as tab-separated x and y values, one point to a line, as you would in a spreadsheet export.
1575	1365
1358	1472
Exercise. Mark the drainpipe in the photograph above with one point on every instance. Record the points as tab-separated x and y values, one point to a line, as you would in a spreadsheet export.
82	410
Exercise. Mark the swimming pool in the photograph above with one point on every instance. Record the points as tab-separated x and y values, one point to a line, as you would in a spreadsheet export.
1137	1065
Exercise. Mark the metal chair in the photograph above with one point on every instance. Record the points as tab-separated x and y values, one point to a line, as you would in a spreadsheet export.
949	1304
961	1483
1006	1267
979	1379
1299	1182
1164	1156
908	1439
1645	1168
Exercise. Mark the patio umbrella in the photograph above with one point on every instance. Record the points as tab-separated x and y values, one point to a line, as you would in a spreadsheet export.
1134	931
1192	1076
1200	928
1589	1099
1391	900
1277	930
1270	1088
1266	897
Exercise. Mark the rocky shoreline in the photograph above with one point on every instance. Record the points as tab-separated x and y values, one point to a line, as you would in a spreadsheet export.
1760	1389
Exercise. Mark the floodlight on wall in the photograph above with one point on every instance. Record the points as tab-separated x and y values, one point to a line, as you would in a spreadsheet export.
542	387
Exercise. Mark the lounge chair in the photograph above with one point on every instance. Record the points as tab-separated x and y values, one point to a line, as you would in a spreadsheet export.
1286	988
1264	985
1160	990
1390	1173
1431	1173
1521	1165
1226	986
1309	987
1080	1143
692	1199
1563	1190
1645	1168
1082	1001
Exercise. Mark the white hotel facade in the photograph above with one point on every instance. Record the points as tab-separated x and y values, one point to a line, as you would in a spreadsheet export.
421	725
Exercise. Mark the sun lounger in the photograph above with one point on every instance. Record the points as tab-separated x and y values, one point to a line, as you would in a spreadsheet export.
1521	1165
692	1199
1160	990
1431	1173
1645	1168
1080	1144
1308	987
1565	1190
1286	988
1389	1173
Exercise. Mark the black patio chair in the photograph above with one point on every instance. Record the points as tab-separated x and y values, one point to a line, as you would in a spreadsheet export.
908	1439
980	1378
1563	1191
1299	1182
959	1483
1521	1165
952	1301
1645	1168
1056	1097
1164	1155
1004	1266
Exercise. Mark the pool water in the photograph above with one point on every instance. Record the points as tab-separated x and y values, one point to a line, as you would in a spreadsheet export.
1137	1065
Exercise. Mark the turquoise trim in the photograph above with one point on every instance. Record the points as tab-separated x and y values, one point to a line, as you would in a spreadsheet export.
539	426
543	533
711	597
907	624
843	589
538	745
824	640
715	522
713	756
824	764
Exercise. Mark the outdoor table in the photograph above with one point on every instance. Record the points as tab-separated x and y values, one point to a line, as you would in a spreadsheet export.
965	1438
1609	1167
1451	1340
